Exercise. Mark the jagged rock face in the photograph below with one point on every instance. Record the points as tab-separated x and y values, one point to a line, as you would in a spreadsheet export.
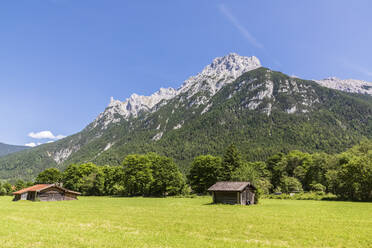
131	107
223	70
272	93
348	85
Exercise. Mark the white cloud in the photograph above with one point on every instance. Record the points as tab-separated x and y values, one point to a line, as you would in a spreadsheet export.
45	135
41	135
32	144
60	136
243	31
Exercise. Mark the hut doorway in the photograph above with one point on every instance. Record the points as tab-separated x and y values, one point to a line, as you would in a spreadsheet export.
24	196
250	197
244	197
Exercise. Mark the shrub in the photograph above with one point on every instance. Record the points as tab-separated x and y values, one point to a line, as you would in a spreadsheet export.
318	187
291	184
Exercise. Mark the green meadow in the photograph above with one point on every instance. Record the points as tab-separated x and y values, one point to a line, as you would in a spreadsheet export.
183	222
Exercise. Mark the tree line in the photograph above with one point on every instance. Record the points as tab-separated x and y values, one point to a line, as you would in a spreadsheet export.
347	175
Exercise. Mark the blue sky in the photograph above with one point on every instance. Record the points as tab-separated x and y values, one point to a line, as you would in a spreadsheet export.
61	60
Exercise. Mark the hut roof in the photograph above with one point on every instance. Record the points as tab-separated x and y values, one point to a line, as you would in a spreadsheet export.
230	186
36	187
39	187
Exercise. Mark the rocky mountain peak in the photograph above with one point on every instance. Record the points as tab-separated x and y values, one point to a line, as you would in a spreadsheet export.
221	71
233	62
117	109
348	85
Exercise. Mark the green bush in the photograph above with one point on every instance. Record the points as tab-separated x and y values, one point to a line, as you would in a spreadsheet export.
318	187
291	184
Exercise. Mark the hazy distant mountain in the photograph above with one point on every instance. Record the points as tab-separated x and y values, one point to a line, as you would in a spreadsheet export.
233	99
7	149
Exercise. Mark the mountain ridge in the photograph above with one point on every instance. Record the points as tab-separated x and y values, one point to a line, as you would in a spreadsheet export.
227	69
6	149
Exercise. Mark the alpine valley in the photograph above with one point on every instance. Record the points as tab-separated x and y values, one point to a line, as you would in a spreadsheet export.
233	100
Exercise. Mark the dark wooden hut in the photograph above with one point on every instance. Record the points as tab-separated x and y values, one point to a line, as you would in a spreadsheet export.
45	192
233	193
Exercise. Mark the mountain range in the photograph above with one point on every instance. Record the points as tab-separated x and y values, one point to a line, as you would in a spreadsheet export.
8	149
232	100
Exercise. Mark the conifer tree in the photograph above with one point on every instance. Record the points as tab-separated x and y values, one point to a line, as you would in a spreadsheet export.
231	161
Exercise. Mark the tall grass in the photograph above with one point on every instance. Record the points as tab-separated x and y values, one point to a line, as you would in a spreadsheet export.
183	222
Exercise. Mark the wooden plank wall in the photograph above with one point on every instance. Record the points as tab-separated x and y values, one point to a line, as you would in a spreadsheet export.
226	197
51	194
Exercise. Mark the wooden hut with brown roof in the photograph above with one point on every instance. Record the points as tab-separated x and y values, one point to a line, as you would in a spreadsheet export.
45	192
233	193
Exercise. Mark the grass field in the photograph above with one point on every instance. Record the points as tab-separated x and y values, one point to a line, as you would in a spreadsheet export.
183	222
